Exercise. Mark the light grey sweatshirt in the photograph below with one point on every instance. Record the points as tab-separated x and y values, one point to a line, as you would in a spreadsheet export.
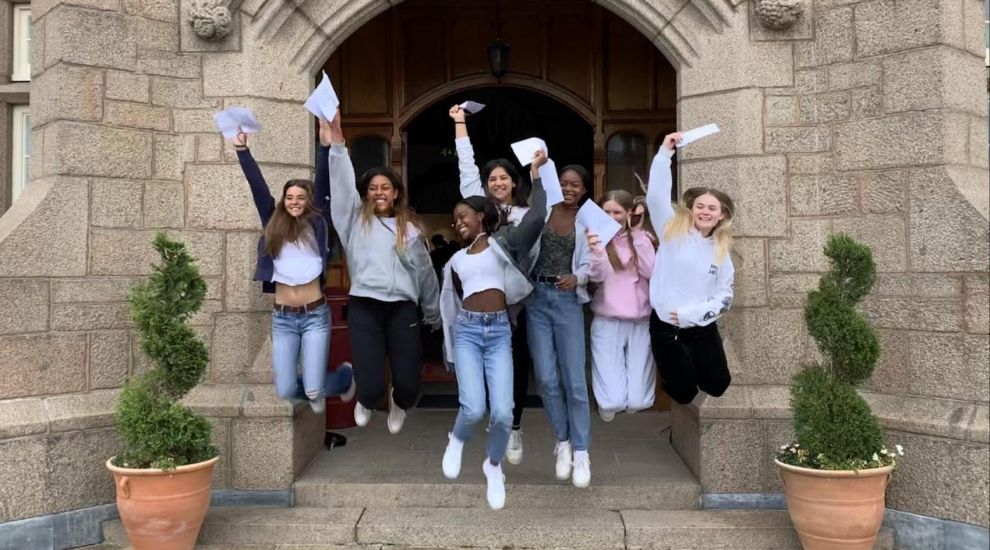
376	268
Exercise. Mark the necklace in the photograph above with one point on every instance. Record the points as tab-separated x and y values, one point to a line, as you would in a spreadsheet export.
475	241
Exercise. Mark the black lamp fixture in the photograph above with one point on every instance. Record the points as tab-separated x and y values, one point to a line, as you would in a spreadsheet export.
498	51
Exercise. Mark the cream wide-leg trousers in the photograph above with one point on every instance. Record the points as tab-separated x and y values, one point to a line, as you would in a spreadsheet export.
623	374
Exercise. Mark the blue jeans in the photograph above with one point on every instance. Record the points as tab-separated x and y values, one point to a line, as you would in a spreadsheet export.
305	335
483	352
555	324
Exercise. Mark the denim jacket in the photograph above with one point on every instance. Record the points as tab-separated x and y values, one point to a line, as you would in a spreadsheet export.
513	245
265	203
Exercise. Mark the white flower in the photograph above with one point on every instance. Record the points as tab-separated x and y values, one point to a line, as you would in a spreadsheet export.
875	457
783	447
883	450
900	450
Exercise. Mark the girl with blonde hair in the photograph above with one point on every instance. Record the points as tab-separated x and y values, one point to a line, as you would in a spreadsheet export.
623	375
692	282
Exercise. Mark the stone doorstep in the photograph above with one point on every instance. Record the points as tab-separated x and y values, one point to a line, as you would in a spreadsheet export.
436	528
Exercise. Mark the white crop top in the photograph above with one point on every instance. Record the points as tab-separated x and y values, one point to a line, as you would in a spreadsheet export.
297	263
478	272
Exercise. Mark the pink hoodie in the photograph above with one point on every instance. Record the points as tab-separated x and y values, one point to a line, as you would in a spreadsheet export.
624	294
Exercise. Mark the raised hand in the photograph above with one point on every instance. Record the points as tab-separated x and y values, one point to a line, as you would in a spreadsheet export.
539	159
670	141
240	140
336	132
456	113
594	242
326	133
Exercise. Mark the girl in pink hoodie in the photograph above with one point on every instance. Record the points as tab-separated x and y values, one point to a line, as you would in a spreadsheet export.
623	372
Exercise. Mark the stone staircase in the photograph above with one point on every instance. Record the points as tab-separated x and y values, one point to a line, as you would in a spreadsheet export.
386	492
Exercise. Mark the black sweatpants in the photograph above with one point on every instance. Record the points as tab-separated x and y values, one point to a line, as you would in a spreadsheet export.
522	364
689	359
378	330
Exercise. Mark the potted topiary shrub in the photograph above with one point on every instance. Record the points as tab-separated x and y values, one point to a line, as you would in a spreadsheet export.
835	475
163	474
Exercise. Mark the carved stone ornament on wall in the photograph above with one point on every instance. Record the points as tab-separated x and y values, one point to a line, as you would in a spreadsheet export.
210	19
778	15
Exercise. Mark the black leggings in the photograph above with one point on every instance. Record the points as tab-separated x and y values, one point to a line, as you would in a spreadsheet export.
689	359
522	363
378	329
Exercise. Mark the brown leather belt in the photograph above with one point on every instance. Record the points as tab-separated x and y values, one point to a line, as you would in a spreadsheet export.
305	308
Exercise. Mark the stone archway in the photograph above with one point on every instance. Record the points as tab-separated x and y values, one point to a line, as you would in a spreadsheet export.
831	125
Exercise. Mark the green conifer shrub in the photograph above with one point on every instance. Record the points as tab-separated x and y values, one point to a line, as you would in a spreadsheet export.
157	430
833	424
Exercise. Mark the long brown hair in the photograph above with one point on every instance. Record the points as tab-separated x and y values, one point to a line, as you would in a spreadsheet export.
681	223
284	227
403	215
625	200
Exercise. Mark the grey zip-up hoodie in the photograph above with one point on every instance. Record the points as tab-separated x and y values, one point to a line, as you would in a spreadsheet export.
376	268
512	244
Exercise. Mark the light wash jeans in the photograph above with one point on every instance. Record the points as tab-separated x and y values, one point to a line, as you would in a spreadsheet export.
483	353
305	335
556	342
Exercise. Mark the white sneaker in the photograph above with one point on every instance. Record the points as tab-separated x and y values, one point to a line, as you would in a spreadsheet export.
352	389
563	453
514	452
496	484
582	469
319	406
396	417
606	415
452	457
361	415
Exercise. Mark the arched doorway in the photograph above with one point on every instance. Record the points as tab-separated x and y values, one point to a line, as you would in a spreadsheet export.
578	75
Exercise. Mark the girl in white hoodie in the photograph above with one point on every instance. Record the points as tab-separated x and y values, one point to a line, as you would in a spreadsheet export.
692	282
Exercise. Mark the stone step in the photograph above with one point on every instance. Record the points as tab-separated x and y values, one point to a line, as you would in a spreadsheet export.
243	526
632	466
227	528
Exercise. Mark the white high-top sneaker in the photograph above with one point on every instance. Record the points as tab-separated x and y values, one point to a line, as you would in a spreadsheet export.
496	484
514	452
581	477
563	453
361	415
452	457
396	417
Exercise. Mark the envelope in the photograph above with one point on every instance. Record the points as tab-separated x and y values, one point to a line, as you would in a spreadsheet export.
598	221
526	148
472	107
323	102
695	134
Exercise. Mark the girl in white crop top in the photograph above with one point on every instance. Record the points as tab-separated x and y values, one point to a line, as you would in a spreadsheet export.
479	282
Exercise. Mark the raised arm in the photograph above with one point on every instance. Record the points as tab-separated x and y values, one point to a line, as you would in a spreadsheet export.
469	174
707	312
523	236
658	192
322	182
344	199
263	199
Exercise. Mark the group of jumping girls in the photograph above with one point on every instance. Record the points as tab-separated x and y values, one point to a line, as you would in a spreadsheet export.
510	300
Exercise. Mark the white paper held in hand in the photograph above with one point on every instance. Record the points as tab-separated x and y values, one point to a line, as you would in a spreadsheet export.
551	183
598	221
232	120
695	134
526	148
323	101
472	107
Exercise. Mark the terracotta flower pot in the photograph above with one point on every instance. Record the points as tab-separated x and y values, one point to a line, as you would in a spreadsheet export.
163	509
835	509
